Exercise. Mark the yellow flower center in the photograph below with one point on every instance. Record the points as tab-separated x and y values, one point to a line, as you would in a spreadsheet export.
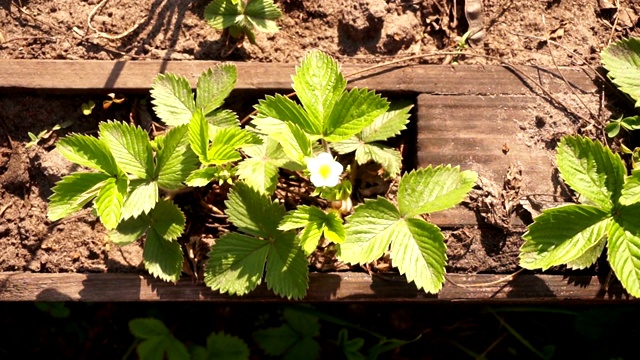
325	170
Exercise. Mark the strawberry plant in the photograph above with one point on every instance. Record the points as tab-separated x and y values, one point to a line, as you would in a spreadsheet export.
243	17
576	234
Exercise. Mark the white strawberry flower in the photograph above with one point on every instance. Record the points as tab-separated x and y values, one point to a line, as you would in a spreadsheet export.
325	171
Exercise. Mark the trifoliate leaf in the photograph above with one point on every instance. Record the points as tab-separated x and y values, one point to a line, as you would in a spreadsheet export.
387	125
287	268
142	197
589	257
284	109
261	14
221	346
235	138
221	14
292	340
202	177
419	252
561	235
129	230
318	84
353	111
433	189
157	341
621	59
222	118
88	151
624	248
130	147
369	231
109	202
175	159
199	136
389	158
73	192
631	189
259	173
591	169
162	258
148	328
172	99
236	264
167	219
214	85
252	212
314	223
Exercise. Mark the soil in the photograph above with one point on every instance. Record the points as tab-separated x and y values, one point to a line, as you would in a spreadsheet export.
353	31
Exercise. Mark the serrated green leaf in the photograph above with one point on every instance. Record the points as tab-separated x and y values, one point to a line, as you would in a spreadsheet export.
261	14
387	125
260	174
148	328
175	159
287	268
284	109
199	136
167	219
591	169
624	248
129	230
314	223
236	264
73	192
222	118
270	150
222	154
130	147
354	111
369	230
172	99
276	341
631	190
389	158
295	143
109	202
221	14
202	177
252	212
621	59
561	235
347	146
589	257
433	189
88	151
293	339
142	197
162	258
318	84
221	346
419	252
235	138
214	85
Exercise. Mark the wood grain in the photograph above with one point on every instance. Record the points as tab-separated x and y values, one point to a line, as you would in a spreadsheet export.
322	287
68	76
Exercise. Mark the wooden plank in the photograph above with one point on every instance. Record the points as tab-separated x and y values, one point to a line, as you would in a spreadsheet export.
323	287
69	76
472	132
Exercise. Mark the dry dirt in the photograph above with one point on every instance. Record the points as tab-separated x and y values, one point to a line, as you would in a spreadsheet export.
353	31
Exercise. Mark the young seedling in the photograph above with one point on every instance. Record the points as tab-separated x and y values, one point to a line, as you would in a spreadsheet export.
576	234
243	17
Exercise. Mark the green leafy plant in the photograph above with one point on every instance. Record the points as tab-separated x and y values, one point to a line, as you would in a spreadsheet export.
294	339
417	247
576	234
628	123
621	59
157	343
243	17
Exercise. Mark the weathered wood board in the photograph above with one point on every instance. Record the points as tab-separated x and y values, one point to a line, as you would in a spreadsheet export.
322	287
